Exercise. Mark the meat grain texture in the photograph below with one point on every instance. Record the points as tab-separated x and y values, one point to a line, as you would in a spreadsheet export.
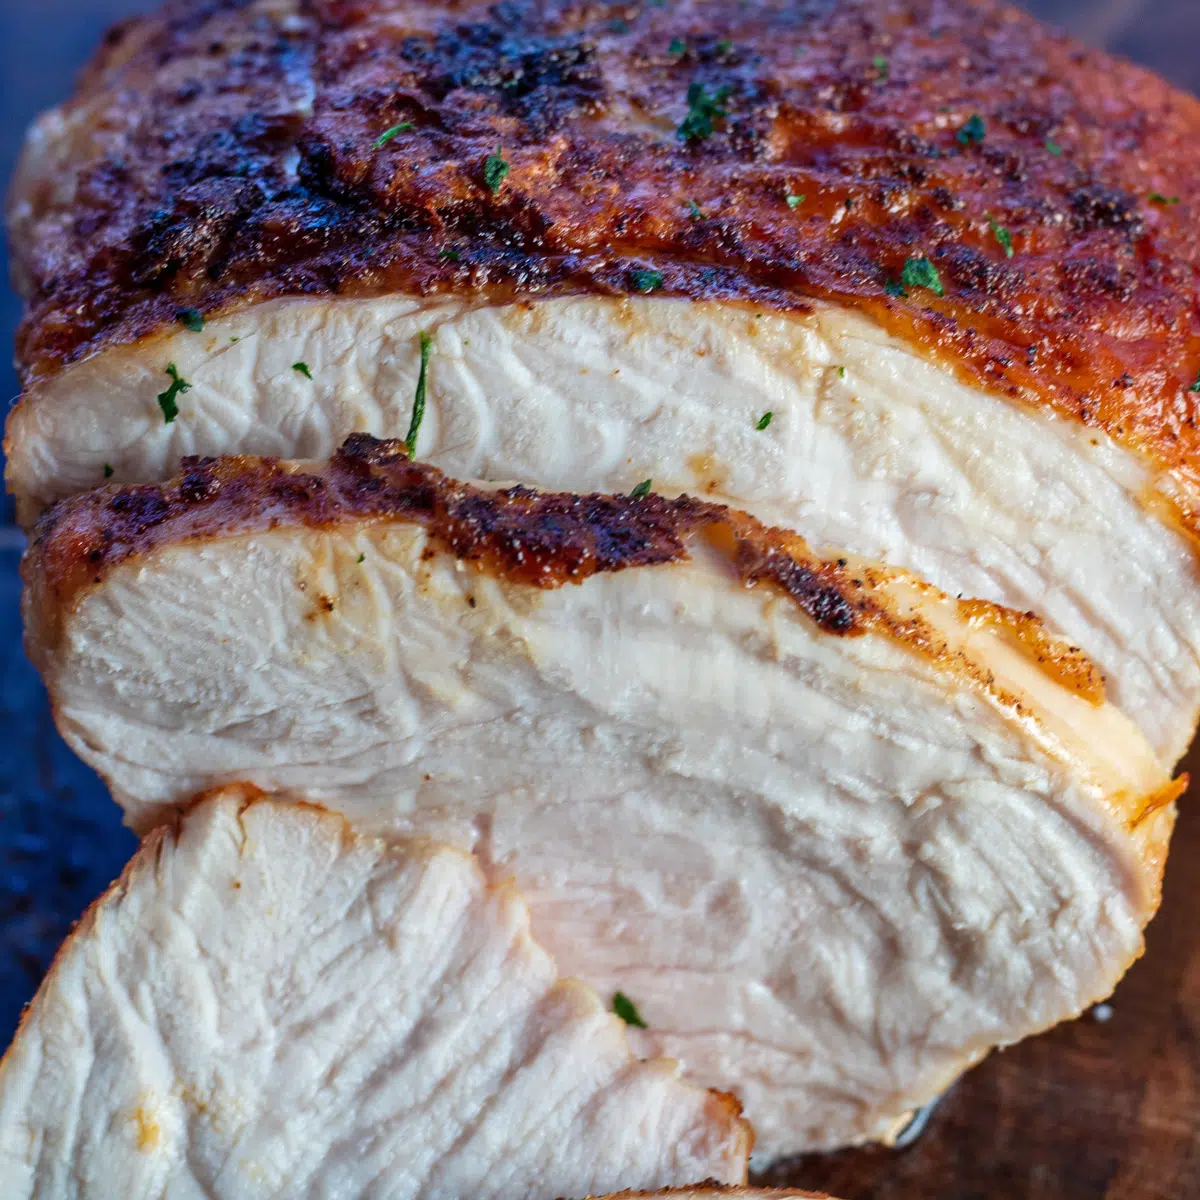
267	1005
836	833
622	282
903	289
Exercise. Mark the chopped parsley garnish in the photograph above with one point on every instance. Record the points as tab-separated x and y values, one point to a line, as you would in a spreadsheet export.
1053	147
418	412
108	471
387	135
973	132
764	421
921	273
1159	198
448	254
495	170
191	318
883	69
841	372
1195	386
695	209
234	340
794	201
849	203
704	110
362	558
723	46
166	400
627	1011
1002	236
640	492
894	287
677	48
302	368
646	281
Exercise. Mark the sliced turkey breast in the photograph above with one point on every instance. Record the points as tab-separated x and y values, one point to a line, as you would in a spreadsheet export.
267	1005
834	835
920	242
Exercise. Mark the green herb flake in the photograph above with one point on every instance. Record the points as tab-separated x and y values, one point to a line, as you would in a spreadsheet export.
1195	386
495	170
696	211
302	368
166	400
627	1011
640	493
448	254
763	421
191	318
646	281
704	110
794	201
362	558
1054	147
387	135
1002	236
882	67
841	372
1159	198
108	471
418	412
894	287
677	48
849	203
921	273
973	132
723	47
233	341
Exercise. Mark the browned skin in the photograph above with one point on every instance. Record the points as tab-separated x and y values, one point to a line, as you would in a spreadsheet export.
184	195
543	540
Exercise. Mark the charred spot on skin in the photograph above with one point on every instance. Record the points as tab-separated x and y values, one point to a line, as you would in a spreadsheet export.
540	78
1097	207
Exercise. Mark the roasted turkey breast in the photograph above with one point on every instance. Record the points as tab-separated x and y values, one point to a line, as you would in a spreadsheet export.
266	1005
833	832
931	247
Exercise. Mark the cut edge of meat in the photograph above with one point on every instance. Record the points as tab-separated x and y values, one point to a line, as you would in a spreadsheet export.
719	1133
550	540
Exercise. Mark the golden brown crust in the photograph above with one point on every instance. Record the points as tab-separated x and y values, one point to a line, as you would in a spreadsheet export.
539	539
226	153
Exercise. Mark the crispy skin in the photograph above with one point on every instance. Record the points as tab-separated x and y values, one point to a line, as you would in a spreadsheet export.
226	153
544	540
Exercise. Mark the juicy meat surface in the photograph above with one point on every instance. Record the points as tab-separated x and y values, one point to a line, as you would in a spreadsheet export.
266	1004
217	224
220	153
868	447
835	834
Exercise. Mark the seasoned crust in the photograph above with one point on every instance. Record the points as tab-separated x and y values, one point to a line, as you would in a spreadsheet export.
224	152
539	539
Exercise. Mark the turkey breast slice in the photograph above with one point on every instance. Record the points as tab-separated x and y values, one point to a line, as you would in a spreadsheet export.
273	198
267	1005
834	835
869	447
